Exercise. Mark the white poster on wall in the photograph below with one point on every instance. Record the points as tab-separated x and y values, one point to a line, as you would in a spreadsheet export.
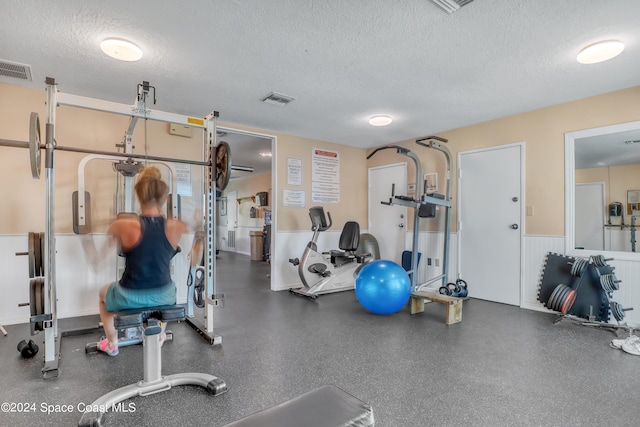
294	198
325	176
183	179
294	171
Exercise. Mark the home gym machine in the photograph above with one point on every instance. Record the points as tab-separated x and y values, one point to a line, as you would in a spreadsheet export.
425	207
44	316
333	271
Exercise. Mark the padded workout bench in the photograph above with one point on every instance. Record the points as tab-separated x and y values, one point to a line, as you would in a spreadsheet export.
327	406
154	381
454	305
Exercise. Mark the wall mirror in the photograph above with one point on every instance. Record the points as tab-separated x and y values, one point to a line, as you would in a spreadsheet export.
602	190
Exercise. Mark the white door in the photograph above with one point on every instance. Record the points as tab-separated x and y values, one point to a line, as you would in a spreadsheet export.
490	222
388	223
589	213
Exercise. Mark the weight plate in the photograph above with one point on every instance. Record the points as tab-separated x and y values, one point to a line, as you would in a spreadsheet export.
38	301
569	299
555	304
552	297
599	260
42	254
32	296
32	255
579	266
562	296
617	310
34	145
223	165
37	255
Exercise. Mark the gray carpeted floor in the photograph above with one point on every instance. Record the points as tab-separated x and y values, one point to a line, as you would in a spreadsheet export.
501	366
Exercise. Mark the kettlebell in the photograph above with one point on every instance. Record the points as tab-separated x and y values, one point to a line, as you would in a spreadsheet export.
463	292
27	350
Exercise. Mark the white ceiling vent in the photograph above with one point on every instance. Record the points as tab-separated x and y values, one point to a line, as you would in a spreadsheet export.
15	70
275	98
635	141
451	6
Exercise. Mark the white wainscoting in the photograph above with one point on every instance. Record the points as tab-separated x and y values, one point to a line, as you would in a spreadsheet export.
78	283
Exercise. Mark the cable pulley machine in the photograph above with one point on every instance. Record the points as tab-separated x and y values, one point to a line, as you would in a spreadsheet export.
218	165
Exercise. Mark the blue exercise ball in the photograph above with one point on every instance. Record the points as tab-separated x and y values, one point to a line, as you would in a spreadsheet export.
383	287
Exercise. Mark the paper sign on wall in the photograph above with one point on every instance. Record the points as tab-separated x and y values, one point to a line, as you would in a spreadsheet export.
325	176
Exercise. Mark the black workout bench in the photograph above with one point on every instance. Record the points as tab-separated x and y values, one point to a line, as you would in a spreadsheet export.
154	381
327	406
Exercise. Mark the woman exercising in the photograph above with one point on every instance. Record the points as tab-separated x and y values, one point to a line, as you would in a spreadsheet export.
148	243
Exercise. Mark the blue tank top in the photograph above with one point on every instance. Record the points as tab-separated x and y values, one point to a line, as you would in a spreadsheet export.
147	264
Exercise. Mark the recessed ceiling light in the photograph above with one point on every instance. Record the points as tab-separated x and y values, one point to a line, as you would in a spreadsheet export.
380	120
599	52
121	49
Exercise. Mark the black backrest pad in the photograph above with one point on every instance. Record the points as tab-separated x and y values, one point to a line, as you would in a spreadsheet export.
137	317
350	236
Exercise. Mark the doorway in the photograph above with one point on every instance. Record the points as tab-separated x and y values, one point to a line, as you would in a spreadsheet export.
590	217
490	189
249	203
388	223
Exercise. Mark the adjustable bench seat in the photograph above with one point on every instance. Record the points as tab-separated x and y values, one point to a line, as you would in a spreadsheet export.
137	317
153	381
327	406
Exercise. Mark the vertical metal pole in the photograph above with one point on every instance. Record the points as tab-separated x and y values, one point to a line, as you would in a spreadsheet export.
210	217
51	331
416	222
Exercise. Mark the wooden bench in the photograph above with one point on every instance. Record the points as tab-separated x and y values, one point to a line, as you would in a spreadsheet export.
454	305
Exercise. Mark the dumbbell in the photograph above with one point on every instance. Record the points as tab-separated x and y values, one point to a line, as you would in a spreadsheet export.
27	350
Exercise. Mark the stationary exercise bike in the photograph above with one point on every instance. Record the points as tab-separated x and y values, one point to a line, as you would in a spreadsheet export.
333	271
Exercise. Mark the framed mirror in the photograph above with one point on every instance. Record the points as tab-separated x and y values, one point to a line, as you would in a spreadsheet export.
602	191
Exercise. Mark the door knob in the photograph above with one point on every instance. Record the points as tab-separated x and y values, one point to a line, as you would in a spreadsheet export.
514	226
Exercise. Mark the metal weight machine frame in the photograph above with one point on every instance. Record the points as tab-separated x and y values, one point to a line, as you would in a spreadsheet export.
54	98
435	143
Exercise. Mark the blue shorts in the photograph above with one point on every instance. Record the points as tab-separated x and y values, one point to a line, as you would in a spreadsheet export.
120	298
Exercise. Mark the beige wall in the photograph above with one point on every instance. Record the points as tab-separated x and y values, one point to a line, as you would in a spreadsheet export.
543	134
246	188
542	131
353	181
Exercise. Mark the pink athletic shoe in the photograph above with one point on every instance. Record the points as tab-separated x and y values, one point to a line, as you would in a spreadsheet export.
106	348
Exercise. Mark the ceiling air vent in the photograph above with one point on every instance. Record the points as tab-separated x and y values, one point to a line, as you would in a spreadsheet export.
15	70
451	6
275	98
635	141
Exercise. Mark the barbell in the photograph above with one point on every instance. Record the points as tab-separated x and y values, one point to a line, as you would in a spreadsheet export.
222	161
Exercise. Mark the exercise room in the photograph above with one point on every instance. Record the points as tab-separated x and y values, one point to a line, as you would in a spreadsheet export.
320	214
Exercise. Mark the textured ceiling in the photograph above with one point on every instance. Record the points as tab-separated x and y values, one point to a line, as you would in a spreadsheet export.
342	61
